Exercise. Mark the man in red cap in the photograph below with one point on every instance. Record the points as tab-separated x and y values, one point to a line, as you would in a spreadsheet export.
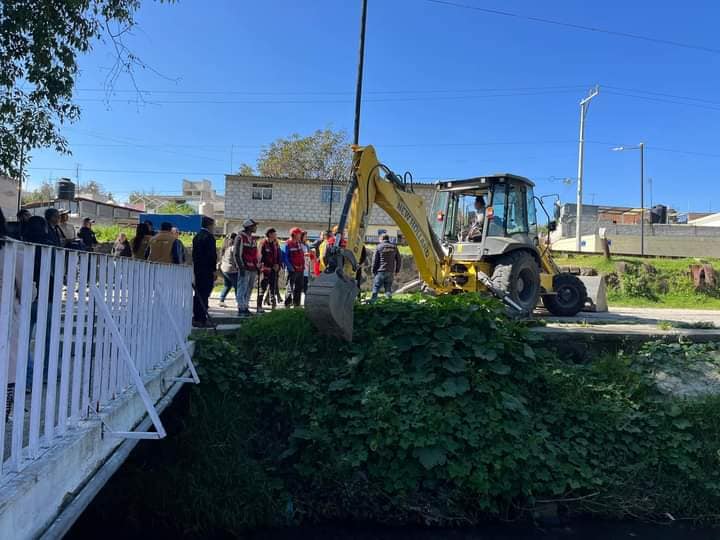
246	258
294	256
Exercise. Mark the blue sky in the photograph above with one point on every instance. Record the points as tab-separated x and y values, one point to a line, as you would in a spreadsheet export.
449	92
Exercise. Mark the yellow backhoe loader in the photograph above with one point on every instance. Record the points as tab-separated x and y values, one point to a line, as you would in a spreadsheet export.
480	235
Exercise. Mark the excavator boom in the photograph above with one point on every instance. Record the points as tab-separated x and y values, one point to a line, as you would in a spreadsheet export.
330	298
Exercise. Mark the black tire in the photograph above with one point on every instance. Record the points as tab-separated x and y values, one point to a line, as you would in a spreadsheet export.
569	298
518	275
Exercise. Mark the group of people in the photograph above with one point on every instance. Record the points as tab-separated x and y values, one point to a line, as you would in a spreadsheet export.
164	246
247	264
53	229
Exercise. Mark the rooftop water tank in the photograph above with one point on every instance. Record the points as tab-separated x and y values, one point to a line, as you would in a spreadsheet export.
65	189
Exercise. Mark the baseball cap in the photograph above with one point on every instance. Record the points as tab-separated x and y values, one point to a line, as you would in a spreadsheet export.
249	223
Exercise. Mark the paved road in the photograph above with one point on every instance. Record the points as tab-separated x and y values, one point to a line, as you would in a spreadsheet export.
653	316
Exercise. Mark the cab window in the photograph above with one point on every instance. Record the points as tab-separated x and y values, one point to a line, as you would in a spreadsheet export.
532	216
516	216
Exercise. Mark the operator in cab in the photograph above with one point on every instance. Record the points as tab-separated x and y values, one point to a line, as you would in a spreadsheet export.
474	233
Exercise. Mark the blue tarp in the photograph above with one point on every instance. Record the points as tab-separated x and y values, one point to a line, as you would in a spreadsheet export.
184	223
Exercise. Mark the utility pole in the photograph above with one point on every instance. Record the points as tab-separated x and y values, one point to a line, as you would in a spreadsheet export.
232	150
332	193
584	104
361	63
642	199
77	177
356	128
640	147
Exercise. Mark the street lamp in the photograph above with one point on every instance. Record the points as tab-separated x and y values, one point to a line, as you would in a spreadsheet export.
640	147
584	104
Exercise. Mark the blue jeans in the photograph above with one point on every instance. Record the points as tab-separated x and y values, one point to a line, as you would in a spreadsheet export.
246	281
382	280
230	282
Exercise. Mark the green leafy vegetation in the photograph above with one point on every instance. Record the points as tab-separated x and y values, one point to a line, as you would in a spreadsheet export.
109	233
440	412
650	282
176	208
323	154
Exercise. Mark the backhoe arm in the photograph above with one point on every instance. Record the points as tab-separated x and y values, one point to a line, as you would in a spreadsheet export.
330	298
406	209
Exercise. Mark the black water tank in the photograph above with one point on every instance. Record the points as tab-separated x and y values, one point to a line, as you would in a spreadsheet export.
658	214
65	189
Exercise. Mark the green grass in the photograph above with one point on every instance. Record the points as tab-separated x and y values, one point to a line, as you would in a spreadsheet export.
109	233
661	263
678	292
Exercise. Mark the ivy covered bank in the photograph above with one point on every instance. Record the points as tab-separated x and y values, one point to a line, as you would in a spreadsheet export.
440	412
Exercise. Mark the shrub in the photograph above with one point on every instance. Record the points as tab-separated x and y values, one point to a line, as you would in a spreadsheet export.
440	411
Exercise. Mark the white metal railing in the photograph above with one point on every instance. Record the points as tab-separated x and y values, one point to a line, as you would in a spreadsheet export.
88	327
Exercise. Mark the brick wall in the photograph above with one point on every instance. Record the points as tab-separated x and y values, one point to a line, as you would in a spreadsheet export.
295	202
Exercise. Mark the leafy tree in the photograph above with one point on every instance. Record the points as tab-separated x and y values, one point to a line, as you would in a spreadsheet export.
40	41
246	170
93	187
324	154
175	208
44	192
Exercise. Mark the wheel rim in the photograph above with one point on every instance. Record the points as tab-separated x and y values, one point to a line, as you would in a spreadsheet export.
524	286
567	295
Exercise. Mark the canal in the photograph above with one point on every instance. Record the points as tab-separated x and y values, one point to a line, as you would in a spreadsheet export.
118	512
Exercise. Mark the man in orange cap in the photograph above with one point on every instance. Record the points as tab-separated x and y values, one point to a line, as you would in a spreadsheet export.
294	256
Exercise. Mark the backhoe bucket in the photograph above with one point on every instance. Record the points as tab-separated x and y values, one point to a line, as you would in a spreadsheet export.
329	304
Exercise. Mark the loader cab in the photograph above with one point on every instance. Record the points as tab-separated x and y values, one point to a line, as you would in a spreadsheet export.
508	211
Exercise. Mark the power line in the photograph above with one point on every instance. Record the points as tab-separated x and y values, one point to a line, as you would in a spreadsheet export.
320	93
260	147
663	100
404	145
578	26
141	101
652	93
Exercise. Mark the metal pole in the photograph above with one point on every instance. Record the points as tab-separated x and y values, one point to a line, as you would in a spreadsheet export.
361	62
581	157
356	131
332	193
642	199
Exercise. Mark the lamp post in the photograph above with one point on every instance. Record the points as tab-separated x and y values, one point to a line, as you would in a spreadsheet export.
640	147
584	104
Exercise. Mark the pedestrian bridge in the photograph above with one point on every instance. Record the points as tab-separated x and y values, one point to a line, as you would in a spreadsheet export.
92	349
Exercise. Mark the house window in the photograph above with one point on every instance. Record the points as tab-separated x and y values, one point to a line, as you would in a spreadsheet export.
262	192
330	191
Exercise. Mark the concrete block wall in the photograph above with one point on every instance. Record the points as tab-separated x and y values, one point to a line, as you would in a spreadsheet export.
660	240
295	202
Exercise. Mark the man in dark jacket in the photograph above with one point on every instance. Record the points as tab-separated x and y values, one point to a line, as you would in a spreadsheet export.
87	235
204	254
386	263
55	236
